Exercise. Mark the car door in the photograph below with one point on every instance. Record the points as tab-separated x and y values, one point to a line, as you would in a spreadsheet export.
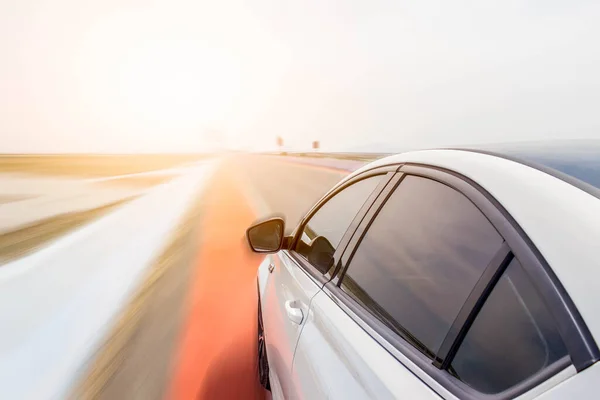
406	281
430	301
296	275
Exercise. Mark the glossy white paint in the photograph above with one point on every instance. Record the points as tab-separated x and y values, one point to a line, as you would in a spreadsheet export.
286	296
544	387
337	358
583	385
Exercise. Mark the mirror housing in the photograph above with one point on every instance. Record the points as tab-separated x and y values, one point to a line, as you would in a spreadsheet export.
266	236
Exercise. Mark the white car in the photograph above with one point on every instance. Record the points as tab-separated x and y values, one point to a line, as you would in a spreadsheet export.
438	274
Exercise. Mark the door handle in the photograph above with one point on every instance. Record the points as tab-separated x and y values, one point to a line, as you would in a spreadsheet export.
293	311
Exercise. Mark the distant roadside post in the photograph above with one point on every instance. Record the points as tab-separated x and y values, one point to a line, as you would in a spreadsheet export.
280	144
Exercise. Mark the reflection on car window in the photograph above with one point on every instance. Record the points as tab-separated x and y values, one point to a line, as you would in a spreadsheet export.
420	259
324	231
512	338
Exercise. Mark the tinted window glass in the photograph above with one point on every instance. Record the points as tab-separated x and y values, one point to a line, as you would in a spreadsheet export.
324	231
420	259
512	338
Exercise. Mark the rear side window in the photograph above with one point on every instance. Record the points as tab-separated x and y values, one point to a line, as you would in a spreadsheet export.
512	338
420	259
324	231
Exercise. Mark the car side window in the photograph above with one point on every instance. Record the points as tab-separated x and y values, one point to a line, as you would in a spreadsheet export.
420	259
512	338
322	234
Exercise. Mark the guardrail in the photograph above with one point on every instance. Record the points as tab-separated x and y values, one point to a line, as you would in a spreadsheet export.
343	165
57	305
336	155
345	162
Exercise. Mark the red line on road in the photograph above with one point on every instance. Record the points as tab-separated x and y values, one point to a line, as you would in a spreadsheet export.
217	354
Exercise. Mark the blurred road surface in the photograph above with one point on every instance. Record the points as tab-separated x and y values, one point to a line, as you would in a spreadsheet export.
193	334
276	185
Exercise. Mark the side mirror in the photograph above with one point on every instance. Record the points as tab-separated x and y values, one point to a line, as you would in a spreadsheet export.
266	236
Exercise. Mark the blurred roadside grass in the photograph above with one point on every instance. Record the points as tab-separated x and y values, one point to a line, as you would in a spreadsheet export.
137	181
23	241
26	240
149	324
93	165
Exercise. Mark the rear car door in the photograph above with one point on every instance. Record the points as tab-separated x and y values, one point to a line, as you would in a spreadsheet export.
298	274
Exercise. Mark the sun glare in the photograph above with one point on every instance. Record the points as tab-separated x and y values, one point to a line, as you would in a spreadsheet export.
149	82
164	83
178	84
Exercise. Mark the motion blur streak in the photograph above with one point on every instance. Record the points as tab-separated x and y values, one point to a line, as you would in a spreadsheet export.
217	349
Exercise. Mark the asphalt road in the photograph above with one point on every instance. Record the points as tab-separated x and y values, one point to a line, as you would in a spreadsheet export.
278	186
190	333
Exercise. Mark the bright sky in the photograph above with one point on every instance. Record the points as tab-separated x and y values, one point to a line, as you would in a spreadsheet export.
170	75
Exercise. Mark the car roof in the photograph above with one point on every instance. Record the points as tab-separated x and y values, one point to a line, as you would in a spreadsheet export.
574	161
562	220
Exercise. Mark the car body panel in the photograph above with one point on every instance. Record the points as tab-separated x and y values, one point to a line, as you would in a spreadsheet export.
549	384
583	385
287	282
336	358
332	356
